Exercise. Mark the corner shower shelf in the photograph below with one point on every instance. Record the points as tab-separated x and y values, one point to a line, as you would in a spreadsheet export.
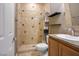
54	14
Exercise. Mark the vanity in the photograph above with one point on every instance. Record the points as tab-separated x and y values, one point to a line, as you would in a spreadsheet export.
63	45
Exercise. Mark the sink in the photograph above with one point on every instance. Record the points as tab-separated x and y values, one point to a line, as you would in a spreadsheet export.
68	37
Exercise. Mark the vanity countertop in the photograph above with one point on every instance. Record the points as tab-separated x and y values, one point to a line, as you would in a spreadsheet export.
71	43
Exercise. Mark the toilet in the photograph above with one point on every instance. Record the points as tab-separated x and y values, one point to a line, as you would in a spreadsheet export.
42	46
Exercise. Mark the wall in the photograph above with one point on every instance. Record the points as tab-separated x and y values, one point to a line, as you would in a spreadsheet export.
64	18
59	19
68	22
71	19
72	12
30	23
56	7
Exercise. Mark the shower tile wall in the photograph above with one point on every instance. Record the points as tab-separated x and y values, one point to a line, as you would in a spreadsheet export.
29	23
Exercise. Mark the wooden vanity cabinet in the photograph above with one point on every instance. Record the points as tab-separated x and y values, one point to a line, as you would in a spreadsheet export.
56	48
53	47
67	51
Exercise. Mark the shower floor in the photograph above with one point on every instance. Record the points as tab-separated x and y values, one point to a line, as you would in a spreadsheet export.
30	50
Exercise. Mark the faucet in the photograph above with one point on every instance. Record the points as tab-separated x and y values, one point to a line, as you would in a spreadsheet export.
72	31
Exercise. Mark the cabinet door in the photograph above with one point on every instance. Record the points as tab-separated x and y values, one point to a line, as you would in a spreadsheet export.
66	51
52	47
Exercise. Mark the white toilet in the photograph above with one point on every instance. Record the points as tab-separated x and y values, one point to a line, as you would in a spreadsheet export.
42	46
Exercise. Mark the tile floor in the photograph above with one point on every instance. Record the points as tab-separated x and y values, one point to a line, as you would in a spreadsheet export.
30	50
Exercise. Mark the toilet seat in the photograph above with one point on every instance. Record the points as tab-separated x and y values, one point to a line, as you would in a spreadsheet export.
42	46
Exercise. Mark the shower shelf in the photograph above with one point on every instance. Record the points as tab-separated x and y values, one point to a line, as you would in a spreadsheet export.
54	14
54	24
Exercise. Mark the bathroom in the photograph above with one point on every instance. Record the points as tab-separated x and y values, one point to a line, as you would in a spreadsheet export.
30	28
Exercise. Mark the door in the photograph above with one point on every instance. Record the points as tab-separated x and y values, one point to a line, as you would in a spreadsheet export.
7	18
